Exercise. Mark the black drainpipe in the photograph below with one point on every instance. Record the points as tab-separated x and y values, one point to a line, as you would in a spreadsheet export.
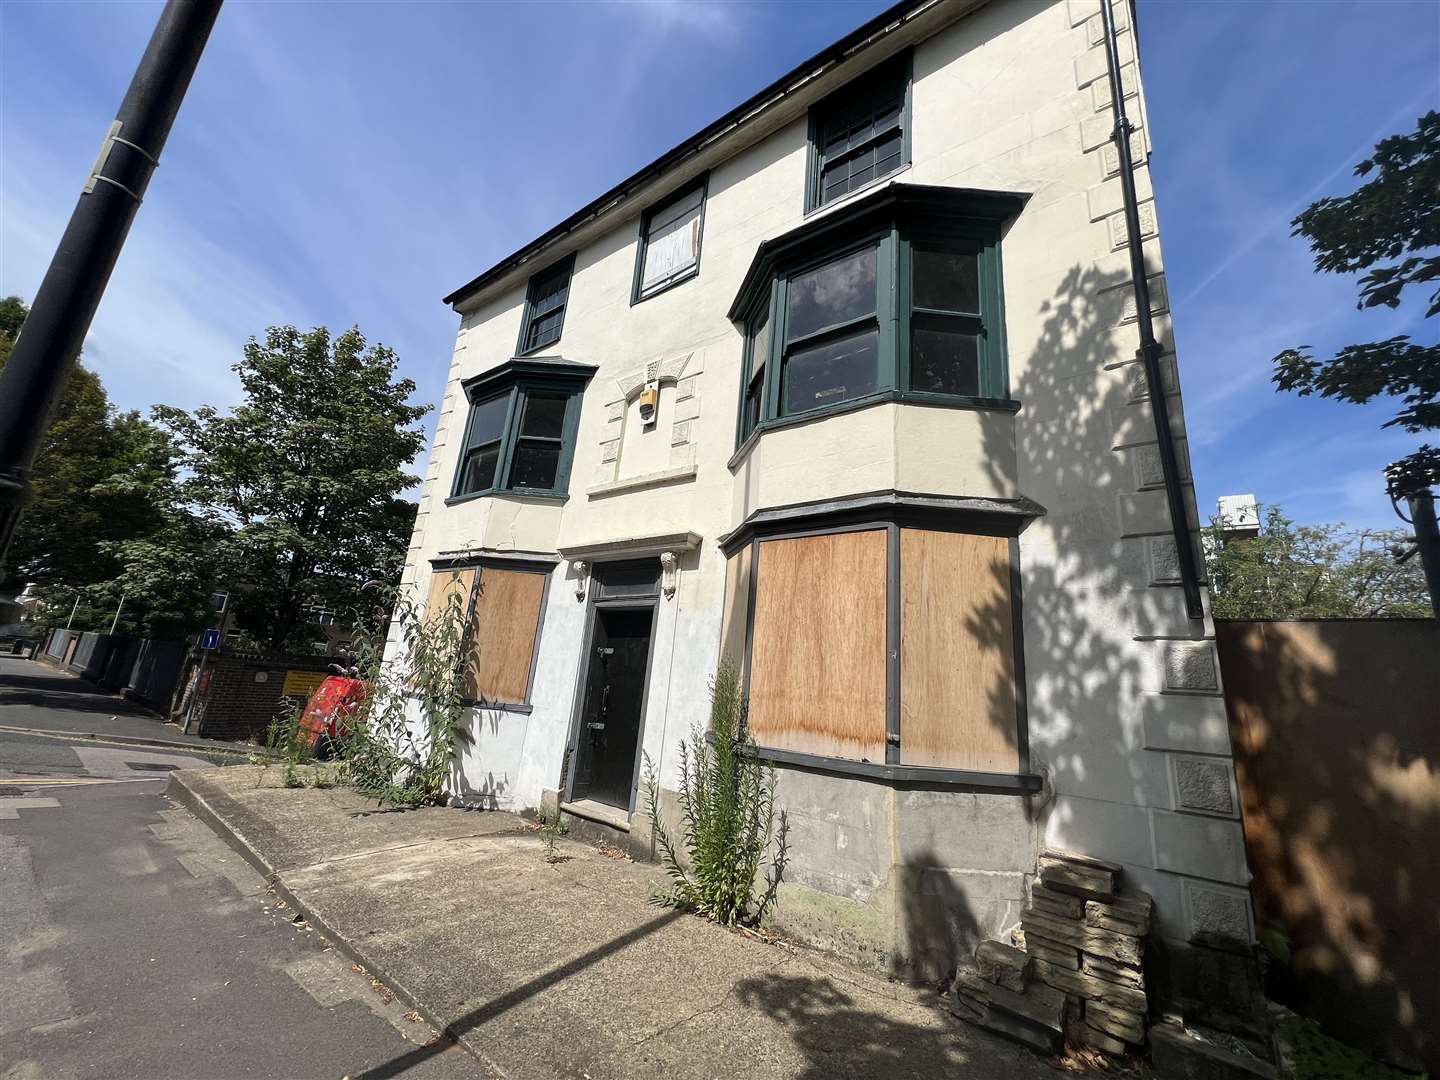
1149	351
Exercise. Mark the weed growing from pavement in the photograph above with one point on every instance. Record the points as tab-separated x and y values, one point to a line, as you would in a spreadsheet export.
727	808
552	828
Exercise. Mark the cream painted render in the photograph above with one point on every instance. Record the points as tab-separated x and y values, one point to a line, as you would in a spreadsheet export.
1127	728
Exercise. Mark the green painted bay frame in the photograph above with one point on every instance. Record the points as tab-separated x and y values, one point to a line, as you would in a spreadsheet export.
636	294
513	379
883	80
565	265
895	218
523	562
890	512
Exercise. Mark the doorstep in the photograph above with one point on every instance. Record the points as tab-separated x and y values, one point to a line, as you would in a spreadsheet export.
602	813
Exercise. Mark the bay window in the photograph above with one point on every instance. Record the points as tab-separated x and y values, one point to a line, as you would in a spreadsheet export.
520	434
897	297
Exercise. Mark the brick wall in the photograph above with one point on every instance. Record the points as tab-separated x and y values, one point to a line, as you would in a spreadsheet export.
240	693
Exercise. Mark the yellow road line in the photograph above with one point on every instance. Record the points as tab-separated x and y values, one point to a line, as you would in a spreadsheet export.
53	781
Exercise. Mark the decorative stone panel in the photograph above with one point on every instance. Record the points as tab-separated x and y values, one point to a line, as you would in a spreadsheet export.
1109	156
1100	91
1191	666
1159	300
1204	785
1164	559
1120	232
1214	912
1140	387
680	372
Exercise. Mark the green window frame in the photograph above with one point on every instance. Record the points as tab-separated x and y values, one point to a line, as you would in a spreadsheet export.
860	134
546	298
677	211
520	432
926	323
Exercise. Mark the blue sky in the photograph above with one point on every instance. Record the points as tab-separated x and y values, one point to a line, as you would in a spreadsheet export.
352	163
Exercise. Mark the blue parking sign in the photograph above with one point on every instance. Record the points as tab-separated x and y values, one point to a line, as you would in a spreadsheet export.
210	639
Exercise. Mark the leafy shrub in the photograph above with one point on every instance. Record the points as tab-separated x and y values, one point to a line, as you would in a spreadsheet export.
392	752
727	807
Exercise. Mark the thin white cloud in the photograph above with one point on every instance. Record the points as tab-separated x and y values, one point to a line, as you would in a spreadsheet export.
1277	218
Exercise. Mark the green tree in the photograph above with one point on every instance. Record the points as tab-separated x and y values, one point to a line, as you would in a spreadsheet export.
308	471
99	479
1388	227
1294	571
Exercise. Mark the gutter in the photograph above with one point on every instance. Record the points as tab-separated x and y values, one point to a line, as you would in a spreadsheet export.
1149	350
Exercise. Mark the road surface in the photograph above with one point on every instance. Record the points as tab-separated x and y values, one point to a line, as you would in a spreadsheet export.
134	943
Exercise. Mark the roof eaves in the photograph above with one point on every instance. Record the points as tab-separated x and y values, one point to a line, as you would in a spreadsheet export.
883	24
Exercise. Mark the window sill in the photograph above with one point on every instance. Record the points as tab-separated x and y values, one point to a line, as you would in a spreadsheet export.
520	708
923	776
903	397
536	349
508	493
689	275
850	196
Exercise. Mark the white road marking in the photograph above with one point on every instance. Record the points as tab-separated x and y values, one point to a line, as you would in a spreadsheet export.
117	763
11	805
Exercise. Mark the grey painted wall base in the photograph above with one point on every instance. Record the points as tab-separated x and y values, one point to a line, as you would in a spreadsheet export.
902	881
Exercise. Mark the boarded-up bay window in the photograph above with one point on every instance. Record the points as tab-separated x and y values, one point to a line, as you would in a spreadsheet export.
817	666
957	652
504	623
818	660
449	595
507	617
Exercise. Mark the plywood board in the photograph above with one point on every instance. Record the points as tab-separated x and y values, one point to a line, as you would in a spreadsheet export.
817	681
737	600
957	652
507	615
443	585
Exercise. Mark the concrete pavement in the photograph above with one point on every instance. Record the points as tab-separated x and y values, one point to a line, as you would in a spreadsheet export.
565	969
135	943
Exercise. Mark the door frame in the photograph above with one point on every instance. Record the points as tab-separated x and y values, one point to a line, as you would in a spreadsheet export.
597	602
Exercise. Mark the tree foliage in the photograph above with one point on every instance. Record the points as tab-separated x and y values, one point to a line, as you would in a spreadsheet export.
307	473
1389	228
1294	571
103	483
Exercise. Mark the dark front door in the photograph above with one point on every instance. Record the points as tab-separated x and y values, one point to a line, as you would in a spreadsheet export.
610	718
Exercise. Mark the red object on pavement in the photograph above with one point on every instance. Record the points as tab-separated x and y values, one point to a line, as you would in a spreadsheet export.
333	701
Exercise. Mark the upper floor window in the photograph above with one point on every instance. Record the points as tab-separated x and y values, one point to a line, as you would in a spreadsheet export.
520	435
860	133
545	301
898	299
670	243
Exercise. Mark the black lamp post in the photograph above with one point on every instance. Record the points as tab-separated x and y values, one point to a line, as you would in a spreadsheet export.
80	269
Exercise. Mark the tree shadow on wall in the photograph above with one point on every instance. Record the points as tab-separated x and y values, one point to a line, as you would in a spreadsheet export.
1085	589
936	917
1338	762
